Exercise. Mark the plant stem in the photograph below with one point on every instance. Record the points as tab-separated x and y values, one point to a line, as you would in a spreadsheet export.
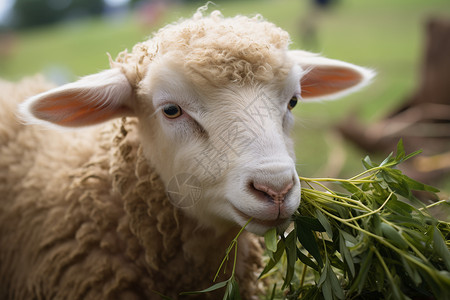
326	198
302	279
232	244
383	263
317	192
434	204
374	170
235	259
356	181
372	212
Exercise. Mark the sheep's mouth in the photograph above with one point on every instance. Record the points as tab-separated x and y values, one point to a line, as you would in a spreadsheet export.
266	223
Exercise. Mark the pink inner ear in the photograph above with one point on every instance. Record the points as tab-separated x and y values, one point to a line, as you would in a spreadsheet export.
327	80
71	109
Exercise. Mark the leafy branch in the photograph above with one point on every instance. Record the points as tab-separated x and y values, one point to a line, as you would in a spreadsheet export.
371	238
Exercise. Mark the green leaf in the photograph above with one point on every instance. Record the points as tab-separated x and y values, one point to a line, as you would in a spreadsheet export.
399	207
329	283
214	287
418	238
272	295
327	290
342	211
400	151
324	275
401	155
441	248
306	260
391	175
325	223
271	239
335	285
345	253
306	238
291	255
232	291
406	221
397	293
367	163
403	185
376	223
275	259
411	155
309	223
310	292
349	187
360	281
387	160
441	291
348	237
418	186
379	276
412	271
393	236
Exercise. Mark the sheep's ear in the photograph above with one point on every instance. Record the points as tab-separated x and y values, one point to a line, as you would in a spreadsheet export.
328	78
91	100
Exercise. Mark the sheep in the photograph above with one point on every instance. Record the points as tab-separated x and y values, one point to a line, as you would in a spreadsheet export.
164	157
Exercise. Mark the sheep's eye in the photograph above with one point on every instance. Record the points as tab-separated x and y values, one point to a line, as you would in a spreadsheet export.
172	111
293	102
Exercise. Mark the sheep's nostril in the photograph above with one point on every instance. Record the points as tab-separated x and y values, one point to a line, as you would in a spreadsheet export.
271	193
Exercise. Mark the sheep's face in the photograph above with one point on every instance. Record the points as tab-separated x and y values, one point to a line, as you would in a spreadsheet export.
227	148
224	152
222	148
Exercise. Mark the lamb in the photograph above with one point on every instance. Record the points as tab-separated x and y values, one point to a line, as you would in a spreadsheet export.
191	141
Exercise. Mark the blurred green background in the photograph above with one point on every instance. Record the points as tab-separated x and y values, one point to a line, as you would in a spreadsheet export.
386	35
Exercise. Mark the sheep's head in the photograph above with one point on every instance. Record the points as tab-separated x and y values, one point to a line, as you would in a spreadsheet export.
213	97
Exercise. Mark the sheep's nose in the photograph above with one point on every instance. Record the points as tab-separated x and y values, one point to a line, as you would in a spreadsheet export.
275	194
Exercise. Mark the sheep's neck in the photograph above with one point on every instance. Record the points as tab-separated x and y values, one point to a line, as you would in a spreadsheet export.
167	238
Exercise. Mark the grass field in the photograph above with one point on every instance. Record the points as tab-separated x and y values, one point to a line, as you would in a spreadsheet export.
386	35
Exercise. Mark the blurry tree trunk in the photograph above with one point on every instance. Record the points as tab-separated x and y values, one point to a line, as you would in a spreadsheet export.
423	121
434	86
